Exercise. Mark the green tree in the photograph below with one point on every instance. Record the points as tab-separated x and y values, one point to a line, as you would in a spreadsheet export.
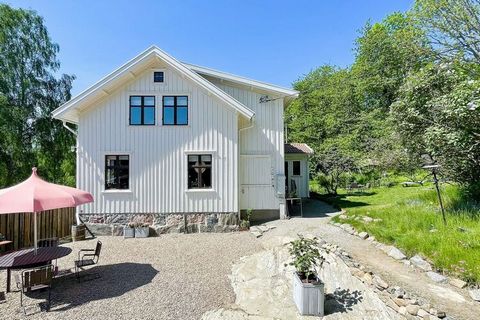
437	113
453	26
28	92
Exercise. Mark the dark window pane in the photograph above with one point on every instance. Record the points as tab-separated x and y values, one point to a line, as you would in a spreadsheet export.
158	76
116	172
149	101
135	115
296	168
182	101
168	115
169	101
135	100
182	115
148	115
199	171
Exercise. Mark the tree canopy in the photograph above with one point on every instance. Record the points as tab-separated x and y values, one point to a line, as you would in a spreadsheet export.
413	89
29	91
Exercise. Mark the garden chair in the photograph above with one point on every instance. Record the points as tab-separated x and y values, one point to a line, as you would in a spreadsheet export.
49	242
33	280
87	257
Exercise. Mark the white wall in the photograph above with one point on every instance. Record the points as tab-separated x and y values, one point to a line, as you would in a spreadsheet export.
264	138
158	163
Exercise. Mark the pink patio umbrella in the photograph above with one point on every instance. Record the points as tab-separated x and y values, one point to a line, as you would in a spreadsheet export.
37	195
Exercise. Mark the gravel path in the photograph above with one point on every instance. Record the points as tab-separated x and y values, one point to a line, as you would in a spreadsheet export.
174	276
454	301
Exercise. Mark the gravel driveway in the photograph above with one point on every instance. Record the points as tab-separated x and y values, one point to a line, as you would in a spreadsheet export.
174	276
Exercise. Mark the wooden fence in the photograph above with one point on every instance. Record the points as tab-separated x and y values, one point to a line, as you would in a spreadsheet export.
18	227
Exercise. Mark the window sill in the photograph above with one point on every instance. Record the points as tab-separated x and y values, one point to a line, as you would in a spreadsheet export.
117	191
200	190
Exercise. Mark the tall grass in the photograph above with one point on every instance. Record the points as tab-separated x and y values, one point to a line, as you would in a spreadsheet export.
411	220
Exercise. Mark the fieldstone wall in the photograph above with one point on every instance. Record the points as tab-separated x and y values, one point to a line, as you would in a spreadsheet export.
161	223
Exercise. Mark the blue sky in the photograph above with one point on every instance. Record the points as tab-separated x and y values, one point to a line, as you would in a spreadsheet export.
272	41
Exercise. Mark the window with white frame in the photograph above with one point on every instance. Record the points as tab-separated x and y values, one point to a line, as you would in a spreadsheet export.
199	171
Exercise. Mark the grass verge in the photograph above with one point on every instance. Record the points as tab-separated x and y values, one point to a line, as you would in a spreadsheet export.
411	220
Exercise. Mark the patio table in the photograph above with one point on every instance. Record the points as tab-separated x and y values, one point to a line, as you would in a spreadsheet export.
26	258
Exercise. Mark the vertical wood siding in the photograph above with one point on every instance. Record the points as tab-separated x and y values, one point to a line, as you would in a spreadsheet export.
264	138
158	159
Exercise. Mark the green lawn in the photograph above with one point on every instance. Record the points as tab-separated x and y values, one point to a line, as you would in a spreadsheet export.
411	220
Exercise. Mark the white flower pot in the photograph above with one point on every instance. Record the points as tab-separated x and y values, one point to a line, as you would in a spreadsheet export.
142	232
309	297
128	232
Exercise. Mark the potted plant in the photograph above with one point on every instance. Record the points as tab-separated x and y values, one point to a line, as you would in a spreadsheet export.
129	230
245	223
142	230
308	289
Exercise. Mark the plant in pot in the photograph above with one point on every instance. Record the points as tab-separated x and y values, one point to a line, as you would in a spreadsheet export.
129	230
308	289
245	223
142	230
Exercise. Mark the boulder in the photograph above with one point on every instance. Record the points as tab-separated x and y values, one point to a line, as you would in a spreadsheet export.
474	294
419	262
396	254
380	283
412	309
363	235
437	277
458	283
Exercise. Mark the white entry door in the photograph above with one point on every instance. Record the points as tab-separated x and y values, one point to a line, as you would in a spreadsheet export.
257	189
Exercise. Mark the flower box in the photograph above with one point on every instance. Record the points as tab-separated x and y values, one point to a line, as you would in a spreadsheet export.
128	232
142	232
309	297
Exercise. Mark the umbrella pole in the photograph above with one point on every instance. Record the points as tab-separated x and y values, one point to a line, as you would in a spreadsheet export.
35	231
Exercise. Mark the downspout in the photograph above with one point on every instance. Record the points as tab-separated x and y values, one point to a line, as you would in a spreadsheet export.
238	167
68	128
77	217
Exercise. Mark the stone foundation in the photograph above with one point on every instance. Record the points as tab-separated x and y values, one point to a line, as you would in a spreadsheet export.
160	223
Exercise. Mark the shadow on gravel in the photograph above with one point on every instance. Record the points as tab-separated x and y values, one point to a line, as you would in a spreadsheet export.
113	280
341	300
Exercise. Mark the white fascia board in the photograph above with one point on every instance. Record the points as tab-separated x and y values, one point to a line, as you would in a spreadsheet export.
242	80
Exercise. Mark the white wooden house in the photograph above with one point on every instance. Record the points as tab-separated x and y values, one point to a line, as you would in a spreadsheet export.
165	138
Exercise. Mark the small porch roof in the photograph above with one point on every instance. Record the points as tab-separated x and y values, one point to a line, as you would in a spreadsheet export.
297	148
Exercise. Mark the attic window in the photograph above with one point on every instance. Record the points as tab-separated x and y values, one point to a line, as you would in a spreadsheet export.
158	76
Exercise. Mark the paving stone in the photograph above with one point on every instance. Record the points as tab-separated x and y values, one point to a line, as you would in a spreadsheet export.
363	235
458	283
402	310
437	277
367	278
396	254
474	294
419	262
392	304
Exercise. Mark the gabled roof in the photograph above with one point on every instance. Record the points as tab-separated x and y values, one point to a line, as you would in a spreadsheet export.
69	110
301	148
284	92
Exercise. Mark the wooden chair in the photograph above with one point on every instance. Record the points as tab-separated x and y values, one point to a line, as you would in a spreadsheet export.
33	280
87	257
